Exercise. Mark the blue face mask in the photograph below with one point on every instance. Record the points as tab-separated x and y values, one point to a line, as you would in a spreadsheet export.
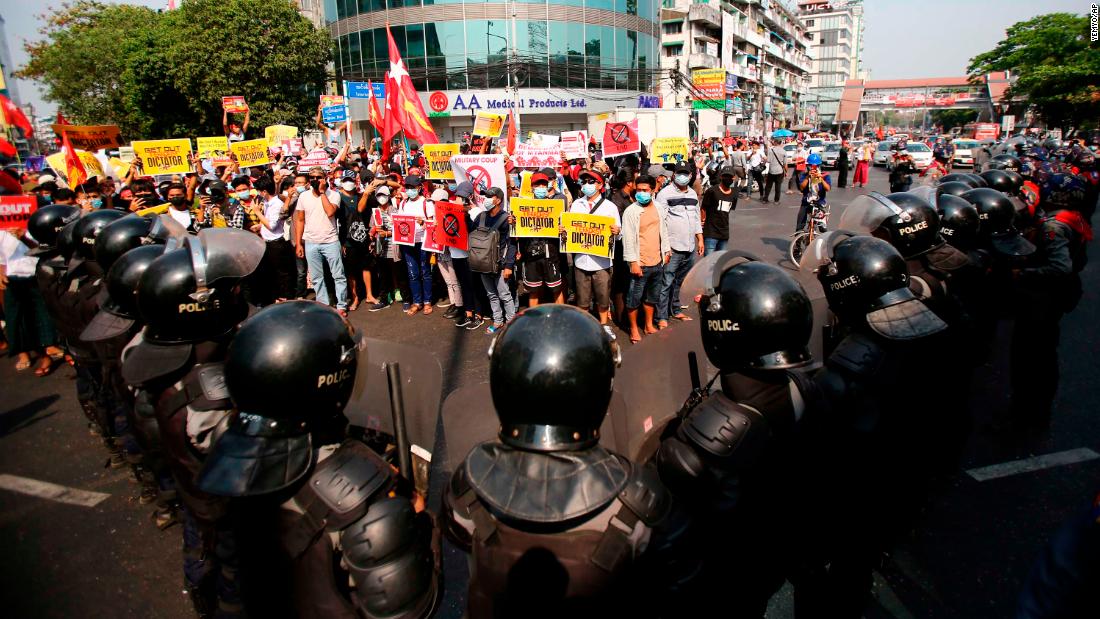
540	192
642	197
451	187
411	193
97	203
48	199
682	179
301	188
588	190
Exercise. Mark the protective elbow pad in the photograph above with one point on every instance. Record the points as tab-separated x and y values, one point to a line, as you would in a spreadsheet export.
679	466
718	426
388	553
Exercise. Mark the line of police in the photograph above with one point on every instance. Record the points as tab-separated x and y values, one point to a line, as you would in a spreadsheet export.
237	423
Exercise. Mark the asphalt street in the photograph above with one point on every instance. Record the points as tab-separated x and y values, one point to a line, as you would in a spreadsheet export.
92	550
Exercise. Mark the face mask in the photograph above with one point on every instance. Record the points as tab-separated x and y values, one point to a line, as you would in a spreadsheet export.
726	182
177	201
642	197
412	192
382	200
300	188
48	199
515	180
682	179
451	187
244	195
96	202
348	185
540	192
588	190
315	183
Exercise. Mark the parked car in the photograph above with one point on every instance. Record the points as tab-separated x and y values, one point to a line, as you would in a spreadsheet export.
832	151
883	152
815	145
964	151
921	154
792	149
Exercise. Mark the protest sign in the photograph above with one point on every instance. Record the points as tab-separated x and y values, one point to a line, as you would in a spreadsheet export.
334	114
488	124
316	157
164	156
452	225
90	137
527	156
480	144
574	144
208	148
234	105
669	150
404	229
587	234
431	242
292	146
15	211
251	152
91	165
621	138
276	134
126	153
536	218
331	100
481	171
121	167
34	163
439	160
525	184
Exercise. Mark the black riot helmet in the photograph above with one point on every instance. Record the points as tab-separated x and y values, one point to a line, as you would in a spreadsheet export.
958	222
952	188
118	310
978	180
290	371
192	293
997	214
88	228
66	240
999	180
1017	181
1004	161
752	315
905	219
45	226
959	177
132	231
866	282
550	372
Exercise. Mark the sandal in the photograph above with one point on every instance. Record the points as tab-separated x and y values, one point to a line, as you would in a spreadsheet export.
354	305
414	308
22	364
635	339
428	309
44	370
683	317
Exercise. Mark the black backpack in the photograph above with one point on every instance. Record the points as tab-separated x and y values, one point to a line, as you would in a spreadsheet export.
484	246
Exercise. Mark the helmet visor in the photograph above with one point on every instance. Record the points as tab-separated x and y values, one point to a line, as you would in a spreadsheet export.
820	251
866	213
226	252
703	276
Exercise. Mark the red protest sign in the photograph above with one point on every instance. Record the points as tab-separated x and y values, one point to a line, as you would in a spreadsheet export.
234	105
404	229
15	211
431	240
621	138
451	231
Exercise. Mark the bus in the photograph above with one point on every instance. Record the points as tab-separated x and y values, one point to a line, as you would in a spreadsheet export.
980	131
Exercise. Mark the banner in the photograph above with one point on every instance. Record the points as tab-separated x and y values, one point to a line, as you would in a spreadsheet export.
527	156
164	156
481	171
536	218
276	134
488	124
293	146
90	137
334	114
710	84
316	157
452	225
431	241
574	144
251	152
621	138
91	164
438	157
587	234
331	100
669	150
234	105
404	229
15	211
126	153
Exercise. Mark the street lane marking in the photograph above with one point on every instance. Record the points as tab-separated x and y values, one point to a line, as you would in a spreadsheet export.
52	492
1036	463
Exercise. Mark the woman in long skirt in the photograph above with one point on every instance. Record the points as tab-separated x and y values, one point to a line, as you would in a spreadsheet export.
842	165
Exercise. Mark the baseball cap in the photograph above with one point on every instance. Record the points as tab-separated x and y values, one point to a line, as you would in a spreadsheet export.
593	174
492	192
412	180
656	170
382	191
682	169
464	190
539	177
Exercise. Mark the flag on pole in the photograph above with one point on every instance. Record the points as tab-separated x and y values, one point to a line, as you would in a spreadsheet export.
375	113
61	120
15	116
7	149
513	132
74	167
403	108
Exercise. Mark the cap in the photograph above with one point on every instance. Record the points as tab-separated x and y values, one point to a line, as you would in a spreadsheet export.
656	170
464	190
46	178
539	177
412	180
493	192
592	174
549	172
440	194
349	174
682	169
726	171
382	191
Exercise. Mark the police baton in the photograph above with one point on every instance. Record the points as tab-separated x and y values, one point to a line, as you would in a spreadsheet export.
400	431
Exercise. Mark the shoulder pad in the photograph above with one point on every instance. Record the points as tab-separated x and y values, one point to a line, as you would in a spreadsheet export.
645	495
857	354
718	425
346	481
211	378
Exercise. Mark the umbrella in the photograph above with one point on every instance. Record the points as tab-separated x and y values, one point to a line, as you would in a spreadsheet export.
782	133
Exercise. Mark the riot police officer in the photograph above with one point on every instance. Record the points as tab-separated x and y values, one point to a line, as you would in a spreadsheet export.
556	525
285	454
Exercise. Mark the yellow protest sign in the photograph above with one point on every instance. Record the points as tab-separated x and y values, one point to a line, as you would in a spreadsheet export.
275	134
525	184
587	234
164	156
488	124
121	167
91	165
669	150
331	100
439	160
536	218
90	137
208	148
251	152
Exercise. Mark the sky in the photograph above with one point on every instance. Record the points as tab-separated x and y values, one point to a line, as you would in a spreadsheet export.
903	38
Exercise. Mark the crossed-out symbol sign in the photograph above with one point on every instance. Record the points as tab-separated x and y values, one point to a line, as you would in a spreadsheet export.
403	228
479	177
620	133
450	224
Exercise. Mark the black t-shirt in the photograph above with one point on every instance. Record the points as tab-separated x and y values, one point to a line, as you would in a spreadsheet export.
354	226
717	206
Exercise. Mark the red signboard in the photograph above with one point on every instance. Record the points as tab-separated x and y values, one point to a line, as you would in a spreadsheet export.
621	138
15	211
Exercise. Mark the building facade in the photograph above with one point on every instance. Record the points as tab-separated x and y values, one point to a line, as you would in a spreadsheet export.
555	61
836	31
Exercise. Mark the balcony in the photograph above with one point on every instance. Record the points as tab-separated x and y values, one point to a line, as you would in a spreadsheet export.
706	14
702	61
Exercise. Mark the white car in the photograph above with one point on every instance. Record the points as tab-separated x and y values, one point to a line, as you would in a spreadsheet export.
921	154
830	154
965	151
792	150
815	145
883	153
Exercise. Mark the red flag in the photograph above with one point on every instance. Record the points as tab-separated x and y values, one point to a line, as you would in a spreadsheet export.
15	116
74	167
6	148
513	131
376	118
61	120
404	102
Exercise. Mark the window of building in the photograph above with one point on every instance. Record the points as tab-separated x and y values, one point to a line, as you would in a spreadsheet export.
672	51
566	47
673	28
809	23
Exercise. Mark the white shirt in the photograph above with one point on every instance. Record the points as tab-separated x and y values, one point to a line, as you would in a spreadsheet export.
319	227
273	212
756	158
13	255
606	208
420	207
183	218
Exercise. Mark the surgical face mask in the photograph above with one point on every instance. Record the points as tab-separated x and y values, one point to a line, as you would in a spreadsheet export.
515	180
588	190
383	200
97	202
301	188
642	197
411	192
541	192
682	179
177	201
348	185
48	198
451	187
243	195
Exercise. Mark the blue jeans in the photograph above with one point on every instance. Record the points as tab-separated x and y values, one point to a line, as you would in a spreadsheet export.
675	271
418	264
316	255
713	245
500	297
646	288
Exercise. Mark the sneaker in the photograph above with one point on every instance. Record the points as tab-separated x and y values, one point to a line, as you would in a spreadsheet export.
451	312
444	303
397	297
493	328
377	307
405	307
463	321
475	323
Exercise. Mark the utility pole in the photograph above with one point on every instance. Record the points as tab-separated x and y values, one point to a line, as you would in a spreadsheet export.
760	84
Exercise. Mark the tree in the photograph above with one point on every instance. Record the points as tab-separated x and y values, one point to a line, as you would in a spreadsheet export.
953	117
1056	71
164	74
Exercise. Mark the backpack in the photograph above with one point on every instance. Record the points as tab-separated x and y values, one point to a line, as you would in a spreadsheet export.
484	246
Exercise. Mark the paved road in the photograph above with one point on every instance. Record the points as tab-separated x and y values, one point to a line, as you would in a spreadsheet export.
968	559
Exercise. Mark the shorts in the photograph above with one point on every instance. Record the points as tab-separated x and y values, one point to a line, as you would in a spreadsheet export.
647	288
540	272
593	283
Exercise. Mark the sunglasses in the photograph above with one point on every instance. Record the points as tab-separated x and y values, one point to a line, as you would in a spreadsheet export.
589	181
317	178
